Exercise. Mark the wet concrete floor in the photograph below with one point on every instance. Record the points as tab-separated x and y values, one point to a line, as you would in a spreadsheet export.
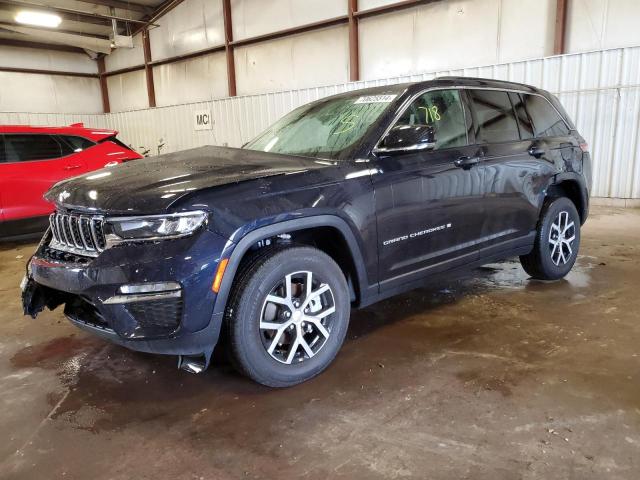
487	377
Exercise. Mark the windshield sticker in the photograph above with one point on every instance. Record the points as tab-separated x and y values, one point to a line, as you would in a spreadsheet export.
375	99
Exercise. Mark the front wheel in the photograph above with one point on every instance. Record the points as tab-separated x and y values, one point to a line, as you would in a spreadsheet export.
288	316
557	241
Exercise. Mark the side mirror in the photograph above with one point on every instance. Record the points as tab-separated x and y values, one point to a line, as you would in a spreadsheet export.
408	138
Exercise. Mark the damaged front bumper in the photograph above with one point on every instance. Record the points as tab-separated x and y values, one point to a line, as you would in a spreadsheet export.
149	297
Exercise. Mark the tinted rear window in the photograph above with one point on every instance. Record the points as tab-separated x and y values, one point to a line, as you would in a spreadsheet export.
495	121
77	144
546	120
24	148
116	141
526	127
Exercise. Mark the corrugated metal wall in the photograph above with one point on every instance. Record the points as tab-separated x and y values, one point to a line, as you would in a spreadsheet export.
95	120
601	91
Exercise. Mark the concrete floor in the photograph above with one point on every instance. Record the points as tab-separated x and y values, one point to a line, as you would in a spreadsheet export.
492	377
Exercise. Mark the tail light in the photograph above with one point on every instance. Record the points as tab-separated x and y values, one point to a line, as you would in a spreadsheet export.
584	147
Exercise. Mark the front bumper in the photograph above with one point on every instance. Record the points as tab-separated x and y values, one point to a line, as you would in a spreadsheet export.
181	323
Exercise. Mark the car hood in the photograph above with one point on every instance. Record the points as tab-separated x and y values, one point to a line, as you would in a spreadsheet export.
152	185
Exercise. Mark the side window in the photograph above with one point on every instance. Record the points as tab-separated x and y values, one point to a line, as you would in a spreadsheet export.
524	122
3	156
77	144
546	120
443	110
494	118
23	148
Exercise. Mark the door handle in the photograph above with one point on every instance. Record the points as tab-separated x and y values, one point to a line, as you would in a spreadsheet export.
537	151
72	167
466	162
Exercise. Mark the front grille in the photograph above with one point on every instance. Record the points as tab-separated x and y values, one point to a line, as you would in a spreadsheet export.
78	234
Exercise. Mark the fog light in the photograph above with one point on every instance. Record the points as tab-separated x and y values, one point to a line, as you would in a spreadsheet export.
149	288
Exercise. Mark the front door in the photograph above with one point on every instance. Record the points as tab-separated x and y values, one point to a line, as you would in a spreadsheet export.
428	203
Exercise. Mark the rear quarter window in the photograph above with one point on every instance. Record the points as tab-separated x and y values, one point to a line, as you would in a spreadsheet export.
77	144
547	122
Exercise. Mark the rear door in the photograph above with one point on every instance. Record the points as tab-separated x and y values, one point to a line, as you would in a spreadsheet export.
31	164
429	210
513	178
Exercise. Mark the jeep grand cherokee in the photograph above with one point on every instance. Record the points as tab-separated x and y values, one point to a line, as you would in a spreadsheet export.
342	202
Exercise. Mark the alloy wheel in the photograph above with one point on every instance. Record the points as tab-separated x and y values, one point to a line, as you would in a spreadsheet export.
296	317
561	238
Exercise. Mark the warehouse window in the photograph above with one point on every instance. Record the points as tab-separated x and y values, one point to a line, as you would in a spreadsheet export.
495	121
546	120
441	109
23	148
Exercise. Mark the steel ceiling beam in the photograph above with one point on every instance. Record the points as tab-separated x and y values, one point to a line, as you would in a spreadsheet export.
354	49
9	26
122	5
561	27
10	42
104	19
6	6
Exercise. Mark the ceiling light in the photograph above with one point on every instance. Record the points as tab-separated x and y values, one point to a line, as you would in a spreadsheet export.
39	19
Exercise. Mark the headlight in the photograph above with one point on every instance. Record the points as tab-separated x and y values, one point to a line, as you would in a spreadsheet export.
155	226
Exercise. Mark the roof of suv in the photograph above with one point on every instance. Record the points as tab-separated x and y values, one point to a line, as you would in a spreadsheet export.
414	87
76	129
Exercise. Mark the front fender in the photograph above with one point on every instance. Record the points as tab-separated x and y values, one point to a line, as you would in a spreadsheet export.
238	247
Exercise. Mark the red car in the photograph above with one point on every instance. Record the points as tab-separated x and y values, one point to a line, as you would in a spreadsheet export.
32	159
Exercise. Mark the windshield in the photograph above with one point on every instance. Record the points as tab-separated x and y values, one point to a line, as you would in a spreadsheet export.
326	128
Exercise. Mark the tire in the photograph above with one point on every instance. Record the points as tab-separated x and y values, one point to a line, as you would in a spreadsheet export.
273	340
554	252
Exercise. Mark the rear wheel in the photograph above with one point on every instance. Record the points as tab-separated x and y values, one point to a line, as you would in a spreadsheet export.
557	241
288	316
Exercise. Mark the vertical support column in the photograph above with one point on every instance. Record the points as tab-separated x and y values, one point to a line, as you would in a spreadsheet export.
354	50
561	27
228	47
148	69
103	85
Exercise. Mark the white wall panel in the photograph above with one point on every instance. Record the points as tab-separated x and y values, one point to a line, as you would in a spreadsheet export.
420	39
26	92
527	29
127	91
369	4
455	33
36	58
192	26
601	91
53	119
126	57
601	24
251	18
201	78
314	58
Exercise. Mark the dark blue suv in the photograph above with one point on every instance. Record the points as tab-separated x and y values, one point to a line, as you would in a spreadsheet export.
341	203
